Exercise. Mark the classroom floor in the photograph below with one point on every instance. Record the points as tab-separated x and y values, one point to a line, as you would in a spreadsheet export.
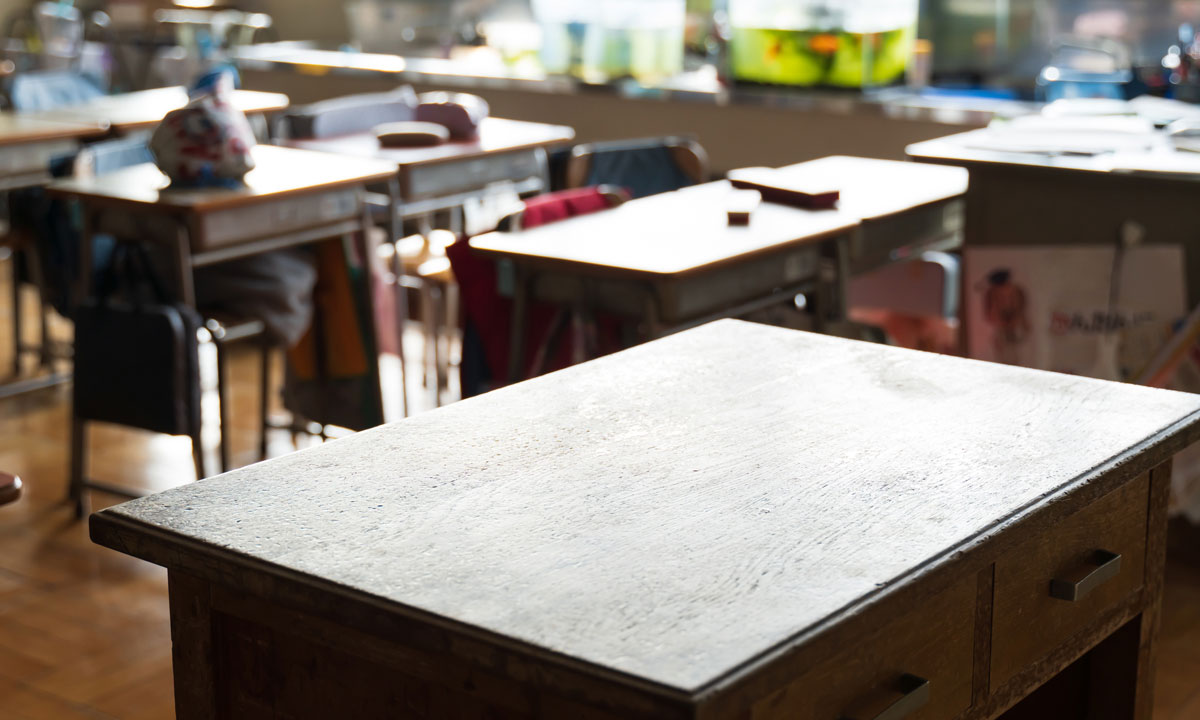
84	631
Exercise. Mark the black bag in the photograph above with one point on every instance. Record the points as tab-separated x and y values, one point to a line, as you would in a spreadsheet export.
137	359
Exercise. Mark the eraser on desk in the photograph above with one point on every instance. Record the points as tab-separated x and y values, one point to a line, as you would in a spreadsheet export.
798	188
411	134
740	204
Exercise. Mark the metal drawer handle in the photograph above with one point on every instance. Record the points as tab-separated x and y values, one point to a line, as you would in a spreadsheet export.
1077	586
916	694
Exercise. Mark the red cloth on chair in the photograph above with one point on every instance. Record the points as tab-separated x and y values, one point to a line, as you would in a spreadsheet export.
561	205
491	314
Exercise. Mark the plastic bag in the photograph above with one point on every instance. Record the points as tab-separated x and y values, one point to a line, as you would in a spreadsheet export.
206	143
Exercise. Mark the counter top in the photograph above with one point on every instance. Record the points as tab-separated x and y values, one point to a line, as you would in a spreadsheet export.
699	86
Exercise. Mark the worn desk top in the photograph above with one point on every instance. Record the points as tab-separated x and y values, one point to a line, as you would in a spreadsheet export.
21	129
146	108
684	231
676	510
664	235
496	135
1162	161
279	172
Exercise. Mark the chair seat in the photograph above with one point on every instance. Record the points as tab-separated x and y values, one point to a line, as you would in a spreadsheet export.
437	270
10	488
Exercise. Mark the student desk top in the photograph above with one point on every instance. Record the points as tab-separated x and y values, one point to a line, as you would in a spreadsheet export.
142	110
672	532
28	144
442	176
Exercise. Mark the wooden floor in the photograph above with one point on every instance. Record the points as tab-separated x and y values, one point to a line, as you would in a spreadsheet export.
84	631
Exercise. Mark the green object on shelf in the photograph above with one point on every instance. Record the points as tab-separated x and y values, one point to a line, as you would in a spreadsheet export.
813	57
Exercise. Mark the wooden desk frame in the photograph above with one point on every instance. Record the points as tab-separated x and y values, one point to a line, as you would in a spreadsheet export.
482	669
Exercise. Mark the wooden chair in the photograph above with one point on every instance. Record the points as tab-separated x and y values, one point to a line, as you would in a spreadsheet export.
643	167
10	488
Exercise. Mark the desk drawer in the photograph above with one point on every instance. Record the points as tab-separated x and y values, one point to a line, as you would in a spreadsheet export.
426	181
292	214
933	643
1027	621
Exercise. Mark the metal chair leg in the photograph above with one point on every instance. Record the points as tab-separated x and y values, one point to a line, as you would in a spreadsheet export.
77	494
264	399
223	393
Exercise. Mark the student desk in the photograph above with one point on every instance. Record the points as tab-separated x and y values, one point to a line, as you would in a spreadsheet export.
443	177
1042	199
292	197
829	530
28	144
672	259
142	110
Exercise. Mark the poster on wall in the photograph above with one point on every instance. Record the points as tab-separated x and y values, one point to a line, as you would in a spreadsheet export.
1084	310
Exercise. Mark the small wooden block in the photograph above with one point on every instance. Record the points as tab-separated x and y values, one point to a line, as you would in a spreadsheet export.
741	204
787	187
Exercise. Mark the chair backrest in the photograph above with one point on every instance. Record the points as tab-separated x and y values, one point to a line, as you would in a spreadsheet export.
926	286
644	167
562	204
111	155
40	90
346	115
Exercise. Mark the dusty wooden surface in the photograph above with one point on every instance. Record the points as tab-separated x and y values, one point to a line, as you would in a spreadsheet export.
496	135
679	509
279	172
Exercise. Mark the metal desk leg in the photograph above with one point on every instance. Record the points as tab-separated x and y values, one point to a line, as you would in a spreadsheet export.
186	285
16	313
395	229
520	316
367	253
839	306
650	316
77	492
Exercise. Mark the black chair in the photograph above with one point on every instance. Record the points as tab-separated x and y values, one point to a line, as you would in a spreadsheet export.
643	167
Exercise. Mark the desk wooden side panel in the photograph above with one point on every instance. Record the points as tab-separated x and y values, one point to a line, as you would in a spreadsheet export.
1038	207
239	655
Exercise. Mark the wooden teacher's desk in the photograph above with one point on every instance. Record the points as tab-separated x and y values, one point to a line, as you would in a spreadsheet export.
443	176
836	529
1031	199
672	260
